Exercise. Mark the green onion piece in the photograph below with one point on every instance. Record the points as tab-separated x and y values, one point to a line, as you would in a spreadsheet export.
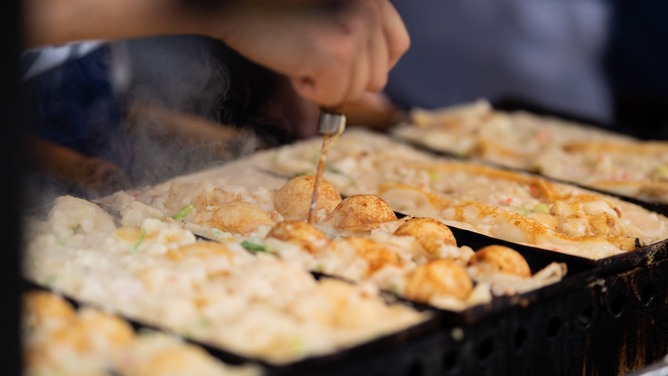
300	173
660	173
394	288
298	345
332	169
78	229
184	212
204	322
50	280
144	331
253	247
541	208
188	334
135	247
315	156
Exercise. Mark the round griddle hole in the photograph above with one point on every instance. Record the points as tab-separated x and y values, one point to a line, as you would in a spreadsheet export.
450	360
617	305
584	318
415	369
647	294
520	338
553	326
486	349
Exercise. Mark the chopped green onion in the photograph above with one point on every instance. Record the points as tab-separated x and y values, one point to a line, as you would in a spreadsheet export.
332	169
146	331
660	173
142	235
184	212
217	234
541	208
298	345
204	322
300	173
50	280
188	334
460	154
315	156
78	229
253	247
394	288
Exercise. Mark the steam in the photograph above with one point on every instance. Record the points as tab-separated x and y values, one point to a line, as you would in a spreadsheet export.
180	73
89	105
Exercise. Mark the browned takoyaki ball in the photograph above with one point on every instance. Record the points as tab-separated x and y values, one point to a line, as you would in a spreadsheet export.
498	258
45	310
432	234
301	233
442	277
293	200
361	212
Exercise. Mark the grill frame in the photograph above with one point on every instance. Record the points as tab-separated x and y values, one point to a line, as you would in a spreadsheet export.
607	316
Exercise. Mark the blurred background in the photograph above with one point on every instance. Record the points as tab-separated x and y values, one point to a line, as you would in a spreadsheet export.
597	60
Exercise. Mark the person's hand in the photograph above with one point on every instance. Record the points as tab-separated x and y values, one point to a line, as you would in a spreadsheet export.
292	111
331	56
331	53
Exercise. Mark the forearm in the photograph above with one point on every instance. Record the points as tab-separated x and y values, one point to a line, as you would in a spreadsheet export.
60	21
331	50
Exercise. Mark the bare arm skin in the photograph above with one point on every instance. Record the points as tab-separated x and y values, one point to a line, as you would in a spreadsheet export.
330	56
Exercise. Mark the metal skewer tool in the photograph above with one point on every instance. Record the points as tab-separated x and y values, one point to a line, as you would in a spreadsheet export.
332	121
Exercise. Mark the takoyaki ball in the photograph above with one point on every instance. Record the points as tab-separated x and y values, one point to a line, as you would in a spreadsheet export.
376	254
160	357
293	200
430	233
238	217
500	259
360	213
442	277
97	324
45	310
94	330
301	233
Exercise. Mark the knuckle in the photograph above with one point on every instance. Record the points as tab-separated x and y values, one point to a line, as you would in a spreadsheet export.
402	43
343	54
378	82
406	41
